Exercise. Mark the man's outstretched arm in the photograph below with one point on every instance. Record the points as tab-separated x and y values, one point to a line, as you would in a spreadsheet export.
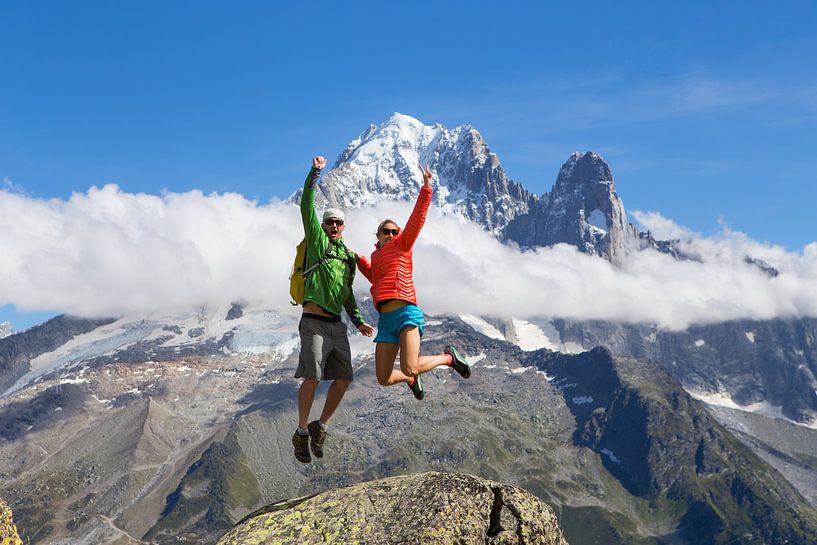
312	225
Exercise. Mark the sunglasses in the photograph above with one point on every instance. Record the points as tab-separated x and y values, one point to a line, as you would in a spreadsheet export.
392	232
333	222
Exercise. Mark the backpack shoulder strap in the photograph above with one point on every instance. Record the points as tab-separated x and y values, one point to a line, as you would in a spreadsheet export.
326	255
351	262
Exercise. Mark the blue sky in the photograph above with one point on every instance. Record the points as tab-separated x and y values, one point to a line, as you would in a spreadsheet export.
706	112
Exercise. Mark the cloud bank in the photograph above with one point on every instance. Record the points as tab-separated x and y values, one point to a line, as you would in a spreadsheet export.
111	253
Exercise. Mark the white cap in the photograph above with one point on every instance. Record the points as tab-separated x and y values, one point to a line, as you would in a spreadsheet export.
333	213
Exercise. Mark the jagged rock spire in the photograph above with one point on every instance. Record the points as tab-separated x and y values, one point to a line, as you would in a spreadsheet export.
582	209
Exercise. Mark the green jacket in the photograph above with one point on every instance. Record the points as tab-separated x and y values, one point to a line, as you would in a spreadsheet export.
330	285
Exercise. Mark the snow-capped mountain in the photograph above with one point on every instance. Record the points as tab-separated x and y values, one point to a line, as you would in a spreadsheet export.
5	329
382	163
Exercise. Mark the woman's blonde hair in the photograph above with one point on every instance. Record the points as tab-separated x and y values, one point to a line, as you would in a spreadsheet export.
383	223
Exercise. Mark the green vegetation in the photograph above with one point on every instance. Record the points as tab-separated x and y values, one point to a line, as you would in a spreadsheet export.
598	526
216	486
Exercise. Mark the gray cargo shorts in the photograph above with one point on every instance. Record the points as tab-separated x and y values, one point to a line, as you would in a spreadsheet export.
325	352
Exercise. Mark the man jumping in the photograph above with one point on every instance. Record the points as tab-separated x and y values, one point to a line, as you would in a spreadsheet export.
325	352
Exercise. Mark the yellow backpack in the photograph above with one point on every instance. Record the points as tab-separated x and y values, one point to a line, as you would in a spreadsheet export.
297	280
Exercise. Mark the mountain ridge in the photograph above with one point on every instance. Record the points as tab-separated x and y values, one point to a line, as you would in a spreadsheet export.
383	164
207	439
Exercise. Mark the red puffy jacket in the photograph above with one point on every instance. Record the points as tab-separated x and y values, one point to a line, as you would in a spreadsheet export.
390	270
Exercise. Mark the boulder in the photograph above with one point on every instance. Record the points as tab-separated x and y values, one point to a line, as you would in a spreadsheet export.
428	508
8	531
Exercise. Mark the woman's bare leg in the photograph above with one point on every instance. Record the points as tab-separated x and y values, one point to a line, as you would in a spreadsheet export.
384	356
411	362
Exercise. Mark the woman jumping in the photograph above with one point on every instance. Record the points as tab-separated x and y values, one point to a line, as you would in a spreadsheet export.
401	321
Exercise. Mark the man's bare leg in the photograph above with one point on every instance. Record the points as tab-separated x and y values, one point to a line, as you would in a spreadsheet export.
333	398
306	395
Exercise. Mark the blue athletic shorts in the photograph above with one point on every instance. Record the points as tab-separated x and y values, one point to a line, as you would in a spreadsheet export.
392	323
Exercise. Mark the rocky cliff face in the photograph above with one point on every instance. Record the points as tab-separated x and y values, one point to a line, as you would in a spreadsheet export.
583	210
8	531
427	508
663	446
765	363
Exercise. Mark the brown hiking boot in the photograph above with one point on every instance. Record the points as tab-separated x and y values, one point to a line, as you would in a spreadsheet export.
301	444
318	436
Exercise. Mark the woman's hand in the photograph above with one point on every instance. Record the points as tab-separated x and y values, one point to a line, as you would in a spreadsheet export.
427	175
319	162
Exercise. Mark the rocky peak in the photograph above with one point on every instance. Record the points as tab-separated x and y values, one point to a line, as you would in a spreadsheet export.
585	209
582	169
5	329
426	508
383	163
353	145
582	209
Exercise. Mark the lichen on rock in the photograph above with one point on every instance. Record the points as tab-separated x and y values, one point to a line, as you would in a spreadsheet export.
8	531
426	508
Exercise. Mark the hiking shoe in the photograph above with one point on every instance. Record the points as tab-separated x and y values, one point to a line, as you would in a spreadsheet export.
318	436
459	364
301	444
417	388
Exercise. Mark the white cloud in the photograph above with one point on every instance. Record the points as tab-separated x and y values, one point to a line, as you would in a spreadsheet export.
106	252
8	185
660	227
